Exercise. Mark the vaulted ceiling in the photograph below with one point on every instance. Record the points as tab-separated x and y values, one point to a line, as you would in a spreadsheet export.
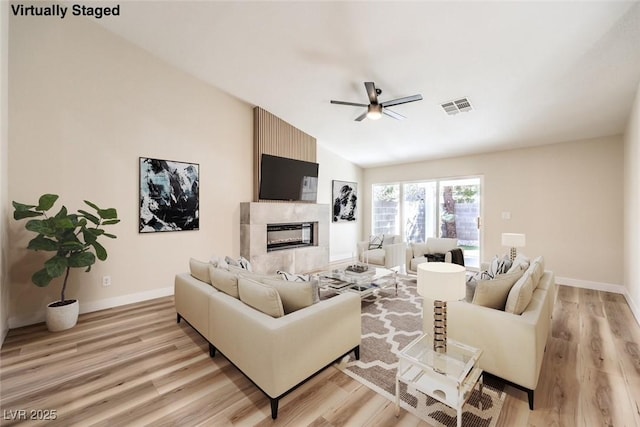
534	72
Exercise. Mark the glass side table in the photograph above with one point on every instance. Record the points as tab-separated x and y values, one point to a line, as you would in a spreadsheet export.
447	377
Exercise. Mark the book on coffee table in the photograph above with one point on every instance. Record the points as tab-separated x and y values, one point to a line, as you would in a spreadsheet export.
335	283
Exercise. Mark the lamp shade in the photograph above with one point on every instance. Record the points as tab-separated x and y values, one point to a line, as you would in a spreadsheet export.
441	281
513	240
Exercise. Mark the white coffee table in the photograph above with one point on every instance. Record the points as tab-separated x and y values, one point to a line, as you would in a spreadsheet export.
447	377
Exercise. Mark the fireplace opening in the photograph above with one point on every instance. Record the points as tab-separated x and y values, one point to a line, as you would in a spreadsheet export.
287	236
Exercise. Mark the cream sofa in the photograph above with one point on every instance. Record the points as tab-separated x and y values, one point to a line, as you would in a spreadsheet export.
276	354
513	345
390	255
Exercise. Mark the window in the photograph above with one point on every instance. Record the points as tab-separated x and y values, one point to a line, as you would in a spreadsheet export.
419	211
440	208
386	209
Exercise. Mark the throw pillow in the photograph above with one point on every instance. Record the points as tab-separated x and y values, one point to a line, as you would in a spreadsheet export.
537	271
493	293
294	295
231	261
375	242
263	298
244	263
520	295
499	266
520	263
494	268
224	281
199	270
479	275
472	283
218	262
291	277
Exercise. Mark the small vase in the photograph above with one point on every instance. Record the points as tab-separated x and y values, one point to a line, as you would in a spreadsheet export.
62	317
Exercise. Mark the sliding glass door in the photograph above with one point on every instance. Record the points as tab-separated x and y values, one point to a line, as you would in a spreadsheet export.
439	208
459	201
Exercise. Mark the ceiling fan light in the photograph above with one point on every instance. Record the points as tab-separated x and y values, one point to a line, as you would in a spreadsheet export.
374	112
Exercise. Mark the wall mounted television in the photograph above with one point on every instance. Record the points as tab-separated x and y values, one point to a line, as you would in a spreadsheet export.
287	179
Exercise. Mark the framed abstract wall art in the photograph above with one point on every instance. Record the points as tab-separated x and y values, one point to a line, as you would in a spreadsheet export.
345	197
169	195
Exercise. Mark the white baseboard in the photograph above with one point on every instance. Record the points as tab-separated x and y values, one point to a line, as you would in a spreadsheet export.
89	307
587	284
606	287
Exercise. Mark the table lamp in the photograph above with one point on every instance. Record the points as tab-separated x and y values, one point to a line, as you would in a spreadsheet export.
442	282
514	241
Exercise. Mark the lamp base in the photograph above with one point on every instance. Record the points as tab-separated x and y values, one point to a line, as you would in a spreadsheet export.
440	326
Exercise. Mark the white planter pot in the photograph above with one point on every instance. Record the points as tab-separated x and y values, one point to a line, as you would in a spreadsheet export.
63	317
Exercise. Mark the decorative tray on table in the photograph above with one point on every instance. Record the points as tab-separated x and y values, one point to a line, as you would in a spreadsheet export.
359	270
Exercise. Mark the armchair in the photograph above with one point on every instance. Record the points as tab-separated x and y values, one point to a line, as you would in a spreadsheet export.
416	253
391	254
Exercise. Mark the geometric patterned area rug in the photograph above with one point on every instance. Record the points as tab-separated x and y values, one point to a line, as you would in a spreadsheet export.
389	323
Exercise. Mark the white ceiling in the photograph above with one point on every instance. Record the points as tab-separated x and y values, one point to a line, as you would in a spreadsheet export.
535	72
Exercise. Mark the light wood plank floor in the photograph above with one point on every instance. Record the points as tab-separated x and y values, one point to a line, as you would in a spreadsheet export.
134	365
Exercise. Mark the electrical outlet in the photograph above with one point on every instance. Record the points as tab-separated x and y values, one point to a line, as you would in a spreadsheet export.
106	280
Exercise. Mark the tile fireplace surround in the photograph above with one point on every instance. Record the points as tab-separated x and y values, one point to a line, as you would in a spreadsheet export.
254	218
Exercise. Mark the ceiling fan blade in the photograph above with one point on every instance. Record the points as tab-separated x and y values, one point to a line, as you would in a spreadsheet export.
371	92
393	114
401	100
361	116
348	103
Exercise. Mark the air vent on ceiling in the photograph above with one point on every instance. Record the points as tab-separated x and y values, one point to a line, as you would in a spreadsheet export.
457	106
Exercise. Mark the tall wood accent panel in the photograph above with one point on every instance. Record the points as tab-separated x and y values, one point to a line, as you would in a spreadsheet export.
272	135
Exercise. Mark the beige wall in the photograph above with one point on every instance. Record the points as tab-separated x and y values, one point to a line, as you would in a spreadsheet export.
4	171
632	208
567	199
84	105
343	235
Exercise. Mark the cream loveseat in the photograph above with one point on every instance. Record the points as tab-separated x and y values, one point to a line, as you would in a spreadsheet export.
417	253
276	353
513	344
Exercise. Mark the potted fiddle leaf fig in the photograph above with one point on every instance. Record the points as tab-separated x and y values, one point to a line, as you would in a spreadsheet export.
73	238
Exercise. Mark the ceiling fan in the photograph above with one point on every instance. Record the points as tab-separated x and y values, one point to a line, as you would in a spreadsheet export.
376	109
